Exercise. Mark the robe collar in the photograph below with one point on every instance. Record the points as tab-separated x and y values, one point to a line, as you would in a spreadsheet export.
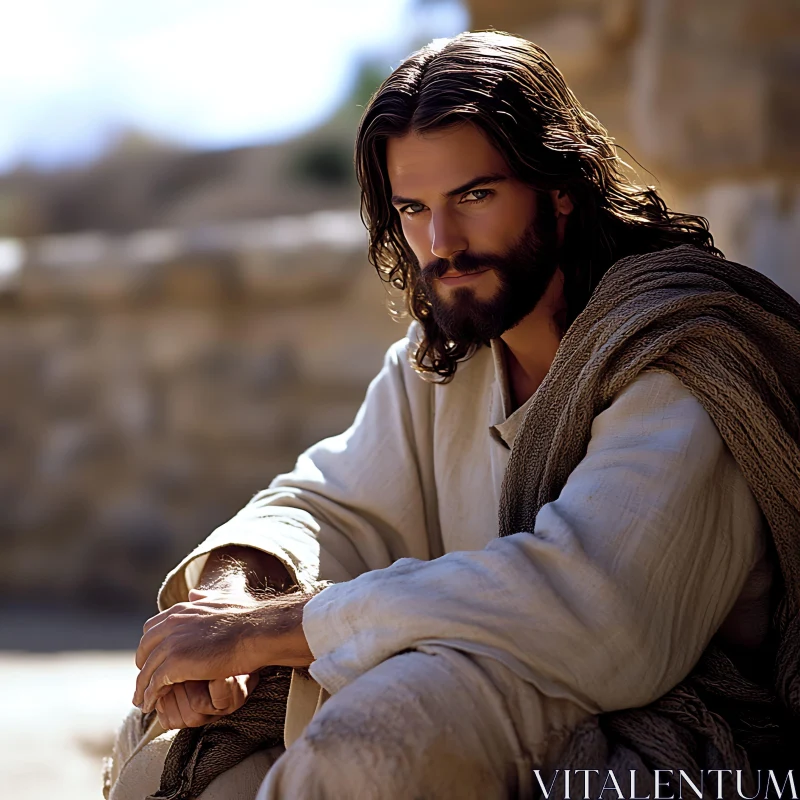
505	422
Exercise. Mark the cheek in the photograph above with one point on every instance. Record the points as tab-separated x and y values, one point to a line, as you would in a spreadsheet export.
505	227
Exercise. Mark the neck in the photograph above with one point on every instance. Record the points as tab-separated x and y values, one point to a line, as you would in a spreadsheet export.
531	345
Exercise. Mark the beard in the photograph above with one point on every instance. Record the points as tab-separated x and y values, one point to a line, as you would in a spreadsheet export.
524	273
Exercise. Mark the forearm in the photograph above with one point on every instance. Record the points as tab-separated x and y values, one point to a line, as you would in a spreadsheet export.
275	634
258	570
217	635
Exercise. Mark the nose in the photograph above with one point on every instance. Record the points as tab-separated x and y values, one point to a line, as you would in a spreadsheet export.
446	238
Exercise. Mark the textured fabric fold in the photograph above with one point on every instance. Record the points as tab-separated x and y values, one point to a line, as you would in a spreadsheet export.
198	755
732	337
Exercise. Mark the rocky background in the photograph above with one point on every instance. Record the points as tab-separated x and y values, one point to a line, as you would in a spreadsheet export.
705	96
146	398
175	327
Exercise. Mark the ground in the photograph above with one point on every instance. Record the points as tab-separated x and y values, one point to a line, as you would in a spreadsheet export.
67	680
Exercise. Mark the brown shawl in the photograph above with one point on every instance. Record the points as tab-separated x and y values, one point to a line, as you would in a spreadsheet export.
198	755
732	337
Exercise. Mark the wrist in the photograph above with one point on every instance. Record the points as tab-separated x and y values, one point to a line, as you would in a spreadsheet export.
276	636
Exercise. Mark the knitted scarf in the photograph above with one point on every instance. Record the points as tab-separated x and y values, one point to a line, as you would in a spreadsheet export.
732	338
198	755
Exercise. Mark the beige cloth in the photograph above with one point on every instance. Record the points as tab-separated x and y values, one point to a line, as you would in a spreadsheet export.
419	474
656	482
633	568
433	724
134	770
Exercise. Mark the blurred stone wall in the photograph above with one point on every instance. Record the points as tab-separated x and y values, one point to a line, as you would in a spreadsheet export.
139	182
705	95
153	382
154	379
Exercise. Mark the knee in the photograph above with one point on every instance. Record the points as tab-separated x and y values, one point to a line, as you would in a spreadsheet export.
243	780
140	751
137	758
335	757
128	736
417	725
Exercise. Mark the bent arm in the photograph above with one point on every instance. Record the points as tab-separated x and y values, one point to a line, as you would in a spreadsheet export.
353	503
612	599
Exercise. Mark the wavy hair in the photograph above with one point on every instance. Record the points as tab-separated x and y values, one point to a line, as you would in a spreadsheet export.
512	91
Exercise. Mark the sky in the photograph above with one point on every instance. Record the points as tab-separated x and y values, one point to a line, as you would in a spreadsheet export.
207	73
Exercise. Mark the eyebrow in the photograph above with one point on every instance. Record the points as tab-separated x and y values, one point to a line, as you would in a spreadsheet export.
481	180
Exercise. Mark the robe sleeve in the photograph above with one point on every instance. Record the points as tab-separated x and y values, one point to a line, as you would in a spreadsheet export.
354	502
612	599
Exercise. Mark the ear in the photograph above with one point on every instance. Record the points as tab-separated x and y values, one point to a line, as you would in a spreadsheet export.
562	202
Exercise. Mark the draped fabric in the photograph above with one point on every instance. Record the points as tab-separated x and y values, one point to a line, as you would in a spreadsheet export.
198	755
732	337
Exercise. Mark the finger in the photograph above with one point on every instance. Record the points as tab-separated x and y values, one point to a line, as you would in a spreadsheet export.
162	717
169	703
190	718
240	690
159	618
184	711
221	692
153	692
145	678
198	594
199	697
142	681
153	637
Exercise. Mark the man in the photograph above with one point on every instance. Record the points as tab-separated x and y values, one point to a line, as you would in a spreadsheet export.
453	662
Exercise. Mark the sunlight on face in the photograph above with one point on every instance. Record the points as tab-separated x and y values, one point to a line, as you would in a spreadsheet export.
486	244
455	195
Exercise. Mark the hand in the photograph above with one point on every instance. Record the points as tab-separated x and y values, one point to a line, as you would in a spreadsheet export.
215	635
196	703
199	640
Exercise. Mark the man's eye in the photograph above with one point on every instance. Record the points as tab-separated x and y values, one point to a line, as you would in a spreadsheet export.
477	195
412	208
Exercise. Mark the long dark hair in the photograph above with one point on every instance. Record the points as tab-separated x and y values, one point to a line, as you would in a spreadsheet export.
513	92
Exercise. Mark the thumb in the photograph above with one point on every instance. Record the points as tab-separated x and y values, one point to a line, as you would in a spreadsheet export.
197	594
221	692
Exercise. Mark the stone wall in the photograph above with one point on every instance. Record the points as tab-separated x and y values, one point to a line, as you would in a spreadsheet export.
706	96
153	382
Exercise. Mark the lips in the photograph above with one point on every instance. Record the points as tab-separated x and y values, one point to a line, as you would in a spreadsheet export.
458	278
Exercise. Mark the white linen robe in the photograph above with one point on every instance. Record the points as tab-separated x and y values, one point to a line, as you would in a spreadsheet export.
607	605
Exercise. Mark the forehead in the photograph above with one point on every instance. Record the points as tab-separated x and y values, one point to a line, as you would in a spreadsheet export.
440	160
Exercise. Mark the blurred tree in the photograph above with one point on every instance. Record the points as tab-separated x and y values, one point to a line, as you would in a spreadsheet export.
371	75
326	158
325	162
143	181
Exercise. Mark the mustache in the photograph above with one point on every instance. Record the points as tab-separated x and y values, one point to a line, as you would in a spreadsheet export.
461	262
